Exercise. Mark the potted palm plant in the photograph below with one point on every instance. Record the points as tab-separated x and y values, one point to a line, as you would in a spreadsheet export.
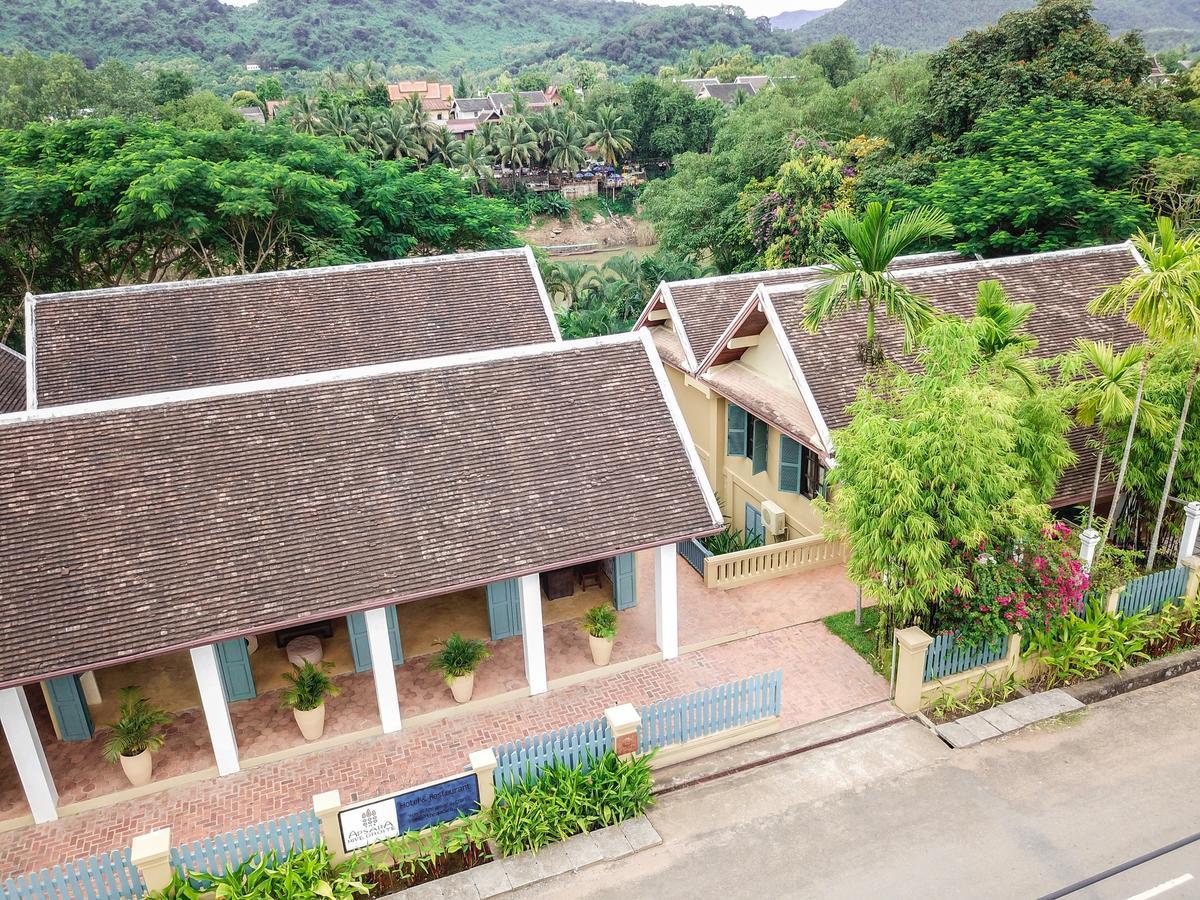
307	688
600	624
135	735
457	661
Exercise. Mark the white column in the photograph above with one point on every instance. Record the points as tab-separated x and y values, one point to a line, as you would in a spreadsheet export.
531	634
1191	525
1089	539
216	709
383	667
27	753
666	601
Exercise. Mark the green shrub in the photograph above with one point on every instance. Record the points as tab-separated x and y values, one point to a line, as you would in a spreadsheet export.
459	656
140	726
1077	648
731	540
302	875
600	621
565	800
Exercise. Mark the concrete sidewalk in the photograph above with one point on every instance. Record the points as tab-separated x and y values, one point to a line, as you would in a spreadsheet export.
895	813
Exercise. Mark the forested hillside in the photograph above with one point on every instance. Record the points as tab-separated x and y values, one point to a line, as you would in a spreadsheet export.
796	17
449	35
929	24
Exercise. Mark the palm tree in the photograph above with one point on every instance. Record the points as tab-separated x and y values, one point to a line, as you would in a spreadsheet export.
475	161
305	115
569	281
424	129
859	277
445	149
1001	338
1105	396
1162	299
515	144
610	139
566	153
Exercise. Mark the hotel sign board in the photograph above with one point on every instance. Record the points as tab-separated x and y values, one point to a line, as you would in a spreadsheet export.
411	810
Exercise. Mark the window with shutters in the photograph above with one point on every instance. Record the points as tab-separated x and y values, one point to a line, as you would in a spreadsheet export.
757	452
746	436
800	469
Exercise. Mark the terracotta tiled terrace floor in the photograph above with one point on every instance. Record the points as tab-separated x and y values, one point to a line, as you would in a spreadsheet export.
776	621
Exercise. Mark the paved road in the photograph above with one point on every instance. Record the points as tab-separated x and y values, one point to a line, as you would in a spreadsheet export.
895	814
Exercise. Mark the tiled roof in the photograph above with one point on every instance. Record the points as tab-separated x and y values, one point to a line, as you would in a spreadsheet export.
252	114
708	305
766	400
474	104
117	342
136	527
1075	485
757	81
1060	285
12	380
727	93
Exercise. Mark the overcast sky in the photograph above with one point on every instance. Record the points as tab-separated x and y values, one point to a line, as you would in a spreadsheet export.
761	7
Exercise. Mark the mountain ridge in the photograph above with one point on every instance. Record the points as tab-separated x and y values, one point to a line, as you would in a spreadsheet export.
930	24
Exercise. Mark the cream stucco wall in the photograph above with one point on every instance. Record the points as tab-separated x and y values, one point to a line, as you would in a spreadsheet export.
730	476
767	359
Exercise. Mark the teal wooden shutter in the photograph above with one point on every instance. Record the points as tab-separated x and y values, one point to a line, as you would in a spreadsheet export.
504	608
789	465
236	676
356	624
754	523
360	646
624	578
759	447
735	431
70	708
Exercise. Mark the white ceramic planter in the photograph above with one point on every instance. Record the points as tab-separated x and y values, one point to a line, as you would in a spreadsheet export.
311	722
601	649
462	687
138	769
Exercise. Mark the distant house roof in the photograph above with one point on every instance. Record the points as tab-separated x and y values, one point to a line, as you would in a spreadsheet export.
533	99
12	380
428	91
252	114
274	107
726	93
116	342
758	82
697	85
157	523
474	104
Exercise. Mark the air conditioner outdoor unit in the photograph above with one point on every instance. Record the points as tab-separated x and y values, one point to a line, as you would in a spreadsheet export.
774	520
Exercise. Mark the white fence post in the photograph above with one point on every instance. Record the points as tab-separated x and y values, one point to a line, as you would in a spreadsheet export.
151	856
1191	525
1089	539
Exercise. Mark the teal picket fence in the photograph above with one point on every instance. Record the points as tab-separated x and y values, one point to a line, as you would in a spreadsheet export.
218	854
575	745
1151	593
695	553
944	657
108	876
711	710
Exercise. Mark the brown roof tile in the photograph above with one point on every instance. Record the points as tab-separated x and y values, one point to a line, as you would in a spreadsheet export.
12	380
172	521
92	345
766	400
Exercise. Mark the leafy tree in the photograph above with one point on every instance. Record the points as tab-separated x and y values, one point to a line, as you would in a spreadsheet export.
102	202
838	60
171	85
202	110
929	464
784	213
1055	49
858	277
1051	174
269	89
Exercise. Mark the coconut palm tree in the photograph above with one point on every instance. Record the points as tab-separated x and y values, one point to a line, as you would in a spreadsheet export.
1162	299
566	153
305	115
445	149
423	128
608	136
1102	384
569	281
395	139
475	161
859	277
515	143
